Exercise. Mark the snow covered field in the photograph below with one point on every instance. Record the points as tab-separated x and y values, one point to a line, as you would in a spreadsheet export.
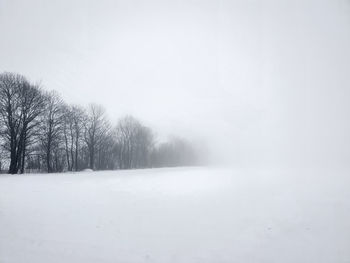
176	215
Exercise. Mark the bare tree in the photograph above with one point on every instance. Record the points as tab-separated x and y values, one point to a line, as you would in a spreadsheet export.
51	128
38	129
20	105
135	142
143	145
78	117
10	115
106	151
126	130
68	136
96	127
73	128
175	152
32	104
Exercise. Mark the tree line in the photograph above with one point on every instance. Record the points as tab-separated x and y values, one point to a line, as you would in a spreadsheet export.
39	132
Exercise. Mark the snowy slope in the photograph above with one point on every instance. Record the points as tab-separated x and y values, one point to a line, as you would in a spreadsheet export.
176	215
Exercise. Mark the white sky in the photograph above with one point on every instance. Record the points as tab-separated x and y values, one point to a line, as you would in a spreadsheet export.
266	82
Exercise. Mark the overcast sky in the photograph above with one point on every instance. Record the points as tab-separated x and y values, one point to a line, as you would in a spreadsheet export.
267	82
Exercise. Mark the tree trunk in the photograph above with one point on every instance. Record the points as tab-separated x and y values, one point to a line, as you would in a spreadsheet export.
23	156
13	162
67	151
76	154
92	157
48	154
48	161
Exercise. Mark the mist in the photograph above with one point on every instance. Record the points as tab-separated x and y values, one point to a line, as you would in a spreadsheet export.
255	83
174	131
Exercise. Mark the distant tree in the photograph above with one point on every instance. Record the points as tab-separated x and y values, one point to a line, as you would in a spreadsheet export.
96	127
175	152
38	132
67	127
73	126
51	130
135	143
143	146
106	151
78	117
126	132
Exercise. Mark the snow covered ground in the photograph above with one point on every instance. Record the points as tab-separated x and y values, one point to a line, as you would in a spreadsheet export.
176	215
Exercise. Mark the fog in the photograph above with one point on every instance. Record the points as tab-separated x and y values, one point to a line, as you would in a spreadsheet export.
258	83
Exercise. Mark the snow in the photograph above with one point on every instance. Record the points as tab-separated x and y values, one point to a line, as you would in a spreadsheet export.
88	170
176	215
